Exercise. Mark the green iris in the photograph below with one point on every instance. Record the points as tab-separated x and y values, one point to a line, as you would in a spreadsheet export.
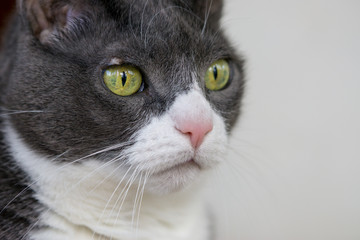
217	75
123	80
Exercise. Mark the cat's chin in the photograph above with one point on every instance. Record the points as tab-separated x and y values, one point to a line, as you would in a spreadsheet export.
174	179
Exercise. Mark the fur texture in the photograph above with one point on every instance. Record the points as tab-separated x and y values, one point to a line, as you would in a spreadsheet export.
64	131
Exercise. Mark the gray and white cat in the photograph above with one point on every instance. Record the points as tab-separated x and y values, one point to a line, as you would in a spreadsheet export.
112	113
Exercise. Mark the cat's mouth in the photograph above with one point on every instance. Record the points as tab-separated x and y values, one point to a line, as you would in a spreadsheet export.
191	164
173	178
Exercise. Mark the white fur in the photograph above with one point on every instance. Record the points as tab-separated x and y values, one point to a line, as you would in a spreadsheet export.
83	199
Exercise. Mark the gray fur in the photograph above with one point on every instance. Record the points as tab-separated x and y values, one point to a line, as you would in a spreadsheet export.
58	74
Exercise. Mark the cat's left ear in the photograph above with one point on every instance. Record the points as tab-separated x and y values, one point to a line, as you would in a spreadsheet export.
47	18
209	10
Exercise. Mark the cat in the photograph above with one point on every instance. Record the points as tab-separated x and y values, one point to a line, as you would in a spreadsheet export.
113	113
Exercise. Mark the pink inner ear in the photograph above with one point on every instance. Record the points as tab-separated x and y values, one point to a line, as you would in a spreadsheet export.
37	15
72	14
50	17
64	16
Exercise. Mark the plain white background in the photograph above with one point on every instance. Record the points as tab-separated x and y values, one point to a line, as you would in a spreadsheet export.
294	165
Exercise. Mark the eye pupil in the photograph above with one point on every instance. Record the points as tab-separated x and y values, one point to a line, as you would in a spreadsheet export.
217	75
123	78
215	72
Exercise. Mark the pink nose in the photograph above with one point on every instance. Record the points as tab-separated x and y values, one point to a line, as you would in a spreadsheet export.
196	128
196	131
192	115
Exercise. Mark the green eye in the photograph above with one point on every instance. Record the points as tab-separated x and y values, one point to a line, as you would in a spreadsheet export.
123	80
217	75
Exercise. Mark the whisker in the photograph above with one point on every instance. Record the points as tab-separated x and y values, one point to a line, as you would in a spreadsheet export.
130	21
136	201
33	226
107	149
142	19
127	187
110	198
165	9
107	177
206	18
62	167
122	195
147	174
94	171
30	185
13	112
30	229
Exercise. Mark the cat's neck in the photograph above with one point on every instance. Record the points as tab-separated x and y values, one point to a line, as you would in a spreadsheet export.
87	198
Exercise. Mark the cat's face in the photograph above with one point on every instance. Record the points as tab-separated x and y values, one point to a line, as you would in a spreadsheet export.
172	128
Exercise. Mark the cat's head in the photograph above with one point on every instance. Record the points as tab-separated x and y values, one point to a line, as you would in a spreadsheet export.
153	86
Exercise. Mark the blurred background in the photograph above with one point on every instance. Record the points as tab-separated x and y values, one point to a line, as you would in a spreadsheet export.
293	171
294	165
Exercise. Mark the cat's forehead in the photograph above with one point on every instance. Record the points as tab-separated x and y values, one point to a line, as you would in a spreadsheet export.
161	26
162	32
168	41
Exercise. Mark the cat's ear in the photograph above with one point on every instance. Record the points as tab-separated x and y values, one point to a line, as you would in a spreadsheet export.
47	18
209	10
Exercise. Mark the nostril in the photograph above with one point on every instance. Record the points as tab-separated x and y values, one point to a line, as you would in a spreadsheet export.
196	131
